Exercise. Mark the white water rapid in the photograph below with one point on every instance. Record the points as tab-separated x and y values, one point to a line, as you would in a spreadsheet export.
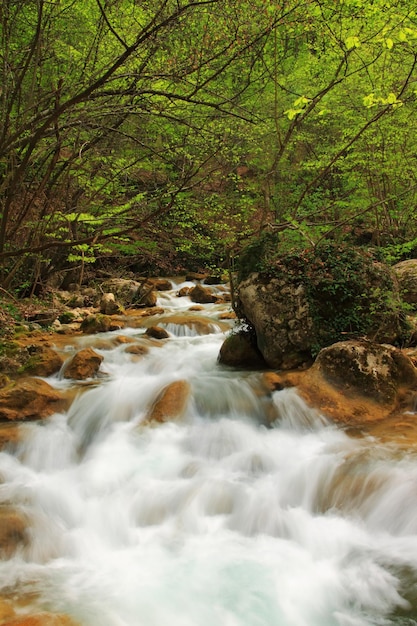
217	519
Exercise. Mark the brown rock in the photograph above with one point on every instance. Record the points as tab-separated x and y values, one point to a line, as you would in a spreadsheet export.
156	332
145	296
42	619
369	369
84	364
10	434
358	383
239	350
13	531
136	349
29	399
42	361
184	291
6	611
202	295
96	324
273	381
195	276
162	284
109	306
229	315
170	404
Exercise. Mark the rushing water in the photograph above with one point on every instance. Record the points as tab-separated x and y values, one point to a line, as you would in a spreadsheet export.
222	518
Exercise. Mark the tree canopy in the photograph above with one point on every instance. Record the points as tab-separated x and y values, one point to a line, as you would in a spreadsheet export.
177	130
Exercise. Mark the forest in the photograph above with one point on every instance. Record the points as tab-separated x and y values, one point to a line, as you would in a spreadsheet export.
165	135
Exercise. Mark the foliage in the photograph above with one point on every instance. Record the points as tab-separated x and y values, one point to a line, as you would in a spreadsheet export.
198	124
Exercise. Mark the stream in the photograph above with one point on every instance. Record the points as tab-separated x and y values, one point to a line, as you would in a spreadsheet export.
252	510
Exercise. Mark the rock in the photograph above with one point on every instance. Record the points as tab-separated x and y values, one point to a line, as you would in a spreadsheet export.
156	332
280	314
136	349
84	364
13	531
42	619
32	359
44	318
272	381
96	324
216	279
365	368
10	434
170	404
29	399
406	272
202	295
162	284
77	301
145	296
109	306
357	382
184	291
192	276
124	290
41	361
229	315
240	350
311	301
6	611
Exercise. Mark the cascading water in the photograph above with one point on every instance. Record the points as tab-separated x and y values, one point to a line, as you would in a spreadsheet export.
252	510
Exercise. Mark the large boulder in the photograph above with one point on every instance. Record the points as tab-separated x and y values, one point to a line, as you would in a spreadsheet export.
29	399
280	313
308	301
357	382
406	272
369	369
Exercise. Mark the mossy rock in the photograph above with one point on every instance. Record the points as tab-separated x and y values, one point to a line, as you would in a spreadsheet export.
96	324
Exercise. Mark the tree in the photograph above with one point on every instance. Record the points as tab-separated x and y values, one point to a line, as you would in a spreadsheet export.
93	92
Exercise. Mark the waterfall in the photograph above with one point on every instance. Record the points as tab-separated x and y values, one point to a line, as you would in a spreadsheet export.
251	510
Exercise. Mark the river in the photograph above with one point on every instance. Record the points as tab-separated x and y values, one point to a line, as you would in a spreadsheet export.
253	510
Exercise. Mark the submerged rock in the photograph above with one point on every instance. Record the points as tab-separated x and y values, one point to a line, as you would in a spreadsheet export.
170	404
42	619
13	530
156	332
